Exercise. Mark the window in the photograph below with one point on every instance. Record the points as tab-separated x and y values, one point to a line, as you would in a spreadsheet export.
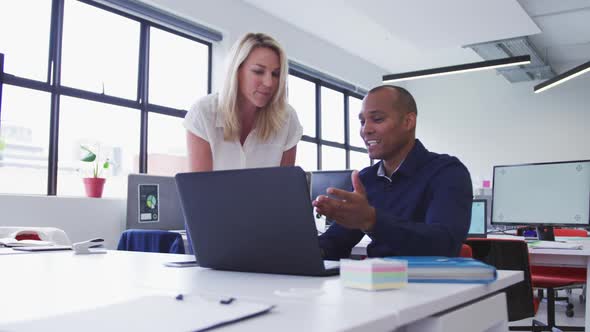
359	160
303	89
167	153
18	23
354	108
101	56
332	115
302	98
98	101
179	70
307	156
24	130
110	131
333	158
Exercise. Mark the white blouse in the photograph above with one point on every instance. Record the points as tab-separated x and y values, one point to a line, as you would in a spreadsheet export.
204	121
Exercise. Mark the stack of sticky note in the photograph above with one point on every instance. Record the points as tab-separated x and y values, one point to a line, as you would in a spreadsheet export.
374	273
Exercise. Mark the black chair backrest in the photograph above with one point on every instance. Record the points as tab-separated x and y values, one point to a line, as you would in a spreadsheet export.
509	255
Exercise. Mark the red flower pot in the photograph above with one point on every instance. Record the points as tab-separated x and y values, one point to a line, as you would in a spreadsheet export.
94	186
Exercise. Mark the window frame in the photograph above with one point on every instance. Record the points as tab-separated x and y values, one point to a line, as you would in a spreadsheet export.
318	140
53	85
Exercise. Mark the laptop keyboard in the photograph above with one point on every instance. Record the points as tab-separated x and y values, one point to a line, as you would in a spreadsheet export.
331	265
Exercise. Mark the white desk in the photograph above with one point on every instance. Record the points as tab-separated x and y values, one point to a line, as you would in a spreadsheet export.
44	284
560	257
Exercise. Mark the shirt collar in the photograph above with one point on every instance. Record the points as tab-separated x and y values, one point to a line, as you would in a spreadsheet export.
417	156
381	170
220	122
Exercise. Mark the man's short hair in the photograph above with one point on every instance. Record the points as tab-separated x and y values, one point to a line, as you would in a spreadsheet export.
405	100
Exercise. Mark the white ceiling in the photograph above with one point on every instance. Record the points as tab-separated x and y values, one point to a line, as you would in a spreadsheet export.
401	36
565	25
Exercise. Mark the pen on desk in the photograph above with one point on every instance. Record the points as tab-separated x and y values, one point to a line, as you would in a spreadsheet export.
229	300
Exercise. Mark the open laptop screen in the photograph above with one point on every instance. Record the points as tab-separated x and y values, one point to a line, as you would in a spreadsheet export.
252	220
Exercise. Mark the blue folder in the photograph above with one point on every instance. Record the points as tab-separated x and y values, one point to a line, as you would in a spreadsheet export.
439	269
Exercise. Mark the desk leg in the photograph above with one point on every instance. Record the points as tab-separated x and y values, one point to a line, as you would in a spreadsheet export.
587	316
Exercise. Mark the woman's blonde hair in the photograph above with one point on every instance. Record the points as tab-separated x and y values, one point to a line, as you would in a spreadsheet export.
269	118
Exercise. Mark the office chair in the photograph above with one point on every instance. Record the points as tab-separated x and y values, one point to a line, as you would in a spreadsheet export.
151	240
507	254
466	251
559	278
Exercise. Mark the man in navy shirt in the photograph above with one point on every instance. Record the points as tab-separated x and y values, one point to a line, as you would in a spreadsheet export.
413	202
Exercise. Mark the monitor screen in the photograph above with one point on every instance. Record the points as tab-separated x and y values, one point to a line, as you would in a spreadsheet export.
488	199
321	180
556	193
478	228
1	79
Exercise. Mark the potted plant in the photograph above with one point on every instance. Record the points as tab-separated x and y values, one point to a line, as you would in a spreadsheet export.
95	184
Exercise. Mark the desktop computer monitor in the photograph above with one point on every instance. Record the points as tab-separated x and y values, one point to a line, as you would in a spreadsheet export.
321	180
478	225
542	195
488	199
1	79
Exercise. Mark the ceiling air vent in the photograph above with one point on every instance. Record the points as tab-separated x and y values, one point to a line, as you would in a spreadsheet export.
536	70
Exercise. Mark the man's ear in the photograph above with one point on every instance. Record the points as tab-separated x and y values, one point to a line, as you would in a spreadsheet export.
410	121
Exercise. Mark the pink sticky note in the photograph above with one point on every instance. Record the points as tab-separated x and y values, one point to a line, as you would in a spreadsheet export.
486	183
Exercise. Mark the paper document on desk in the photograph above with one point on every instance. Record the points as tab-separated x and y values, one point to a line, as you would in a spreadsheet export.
10	251
12	242
151	313
554	245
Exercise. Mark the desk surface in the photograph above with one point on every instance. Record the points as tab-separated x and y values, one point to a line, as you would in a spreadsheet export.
44	284
561	257
585	242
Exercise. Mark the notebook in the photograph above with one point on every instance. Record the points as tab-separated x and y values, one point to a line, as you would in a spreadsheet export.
153	203
447	269
253	220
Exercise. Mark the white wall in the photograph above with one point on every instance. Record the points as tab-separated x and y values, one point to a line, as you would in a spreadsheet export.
81	218
485	120
234	18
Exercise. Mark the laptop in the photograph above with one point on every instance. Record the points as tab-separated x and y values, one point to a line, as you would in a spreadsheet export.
253	220
478	225
153	203
322	180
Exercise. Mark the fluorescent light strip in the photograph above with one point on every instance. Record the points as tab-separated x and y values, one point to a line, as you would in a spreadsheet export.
563	77
468	67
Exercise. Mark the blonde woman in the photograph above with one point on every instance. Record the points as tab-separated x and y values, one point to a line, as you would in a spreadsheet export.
249	122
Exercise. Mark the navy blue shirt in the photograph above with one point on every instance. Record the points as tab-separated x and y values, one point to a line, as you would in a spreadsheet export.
424	210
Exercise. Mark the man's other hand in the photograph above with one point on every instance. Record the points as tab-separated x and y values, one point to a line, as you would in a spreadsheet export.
349	209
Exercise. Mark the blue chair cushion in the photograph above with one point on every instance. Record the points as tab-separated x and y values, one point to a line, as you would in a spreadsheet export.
150	240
